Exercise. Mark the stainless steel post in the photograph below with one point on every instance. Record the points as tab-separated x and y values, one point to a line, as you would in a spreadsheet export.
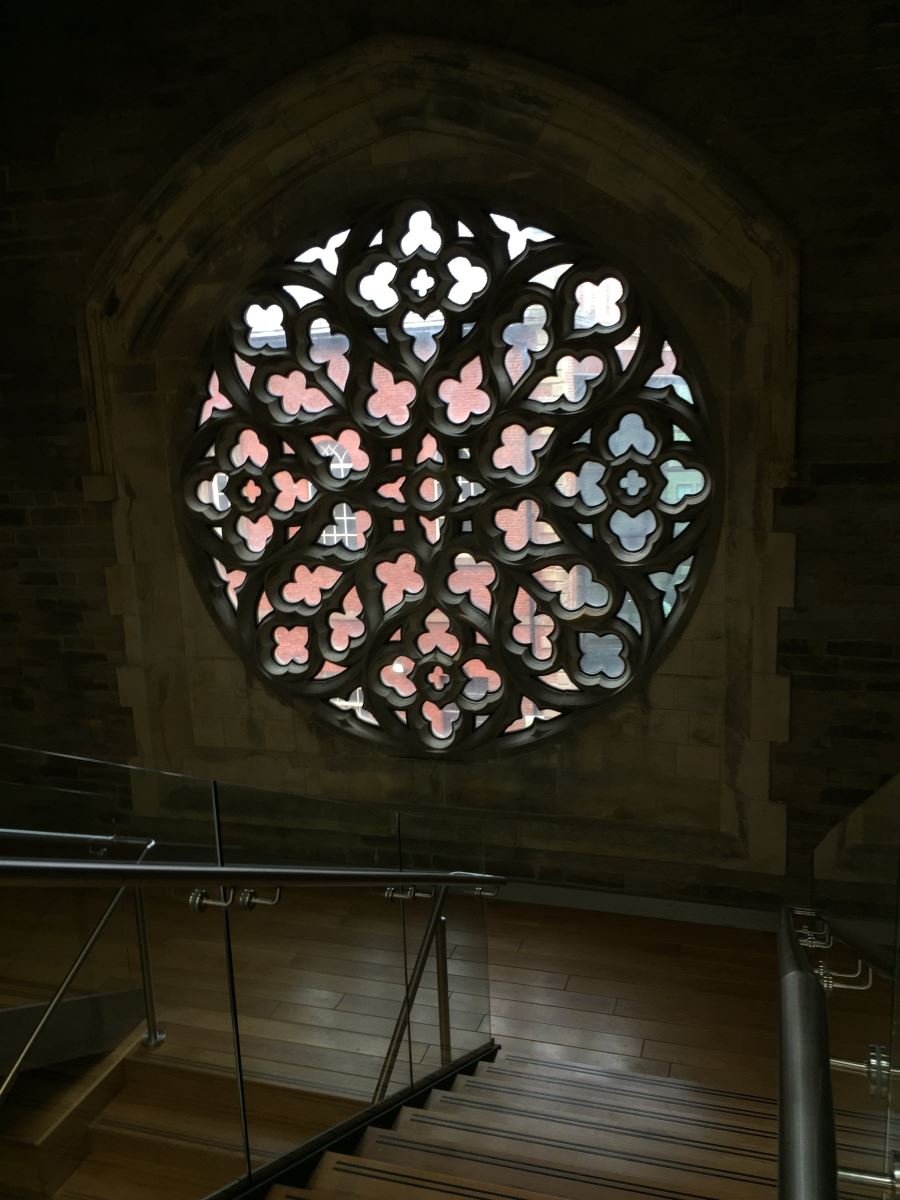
443	990
412	987
224	904
154	1035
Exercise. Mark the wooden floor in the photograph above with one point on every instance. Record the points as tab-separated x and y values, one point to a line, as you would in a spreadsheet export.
320	978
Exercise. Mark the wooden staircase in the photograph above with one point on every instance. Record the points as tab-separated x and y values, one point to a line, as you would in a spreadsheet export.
135	1126
610	1084
528	1127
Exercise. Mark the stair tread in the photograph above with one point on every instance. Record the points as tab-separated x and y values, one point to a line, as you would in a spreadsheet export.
214	1128
349	1175
102	1176
562	1163
566	1139
512	1170
617	1110
283	1191
207	1122
583	1073
43	1100
728	1127
278	1102
266	1072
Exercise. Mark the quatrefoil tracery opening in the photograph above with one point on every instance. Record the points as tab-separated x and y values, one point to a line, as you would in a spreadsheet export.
451	479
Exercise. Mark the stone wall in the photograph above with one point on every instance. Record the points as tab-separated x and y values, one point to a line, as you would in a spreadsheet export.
798	104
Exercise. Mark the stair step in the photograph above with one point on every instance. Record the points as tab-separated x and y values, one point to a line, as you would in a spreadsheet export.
573	1084
217	1162
81	1027
566	1138
127	1179
485	1169
156	1127
561	1163
348	1176
283	1191
618	1111
646	1110
600	1060
46	1121
581	1076
307	1113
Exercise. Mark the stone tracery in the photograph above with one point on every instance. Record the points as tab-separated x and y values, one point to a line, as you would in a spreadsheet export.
450	478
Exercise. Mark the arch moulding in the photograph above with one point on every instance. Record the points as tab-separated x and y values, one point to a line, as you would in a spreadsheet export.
682	773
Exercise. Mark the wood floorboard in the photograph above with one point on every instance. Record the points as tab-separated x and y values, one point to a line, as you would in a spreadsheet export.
564	1035
664	1031
461	1017
699	1010
605	1060
630	964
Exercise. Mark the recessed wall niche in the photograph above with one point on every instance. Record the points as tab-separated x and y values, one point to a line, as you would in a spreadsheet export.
677	775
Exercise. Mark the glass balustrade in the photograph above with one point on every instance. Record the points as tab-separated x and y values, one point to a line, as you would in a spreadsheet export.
319	971
892	1123
456	962
856	889
228	1026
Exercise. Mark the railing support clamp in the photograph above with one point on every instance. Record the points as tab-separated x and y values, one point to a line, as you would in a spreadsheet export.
887	1183
248	899
409	893
199	899
830	979
876	1068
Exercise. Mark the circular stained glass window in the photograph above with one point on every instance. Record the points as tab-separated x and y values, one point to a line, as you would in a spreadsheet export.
451	478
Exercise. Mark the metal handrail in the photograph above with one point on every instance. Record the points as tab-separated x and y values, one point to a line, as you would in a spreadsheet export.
807	1159
153	1036
44	871
38	872
55	835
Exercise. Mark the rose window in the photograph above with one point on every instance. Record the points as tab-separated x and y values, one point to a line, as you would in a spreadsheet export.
452	479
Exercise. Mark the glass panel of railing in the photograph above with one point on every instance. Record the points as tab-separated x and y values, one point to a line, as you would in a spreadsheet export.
855	890
41	936
451	1004
165	1113
44	795
99	1106
320	972
59	793
59	806
43	928
893	1115
188	1087
295	828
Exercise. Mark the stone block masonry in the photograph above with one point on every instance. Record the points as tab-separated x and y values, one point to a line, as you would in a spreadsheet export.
801	104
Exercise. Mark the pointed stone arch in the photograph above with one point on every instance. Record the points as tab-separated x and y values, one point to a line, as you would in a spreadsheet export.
685	770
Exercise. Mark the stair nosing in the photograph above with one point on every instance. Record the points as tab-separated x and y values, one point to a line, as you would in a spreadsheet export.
420	1117
659	1080
645	1190
575	1122
484	1081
